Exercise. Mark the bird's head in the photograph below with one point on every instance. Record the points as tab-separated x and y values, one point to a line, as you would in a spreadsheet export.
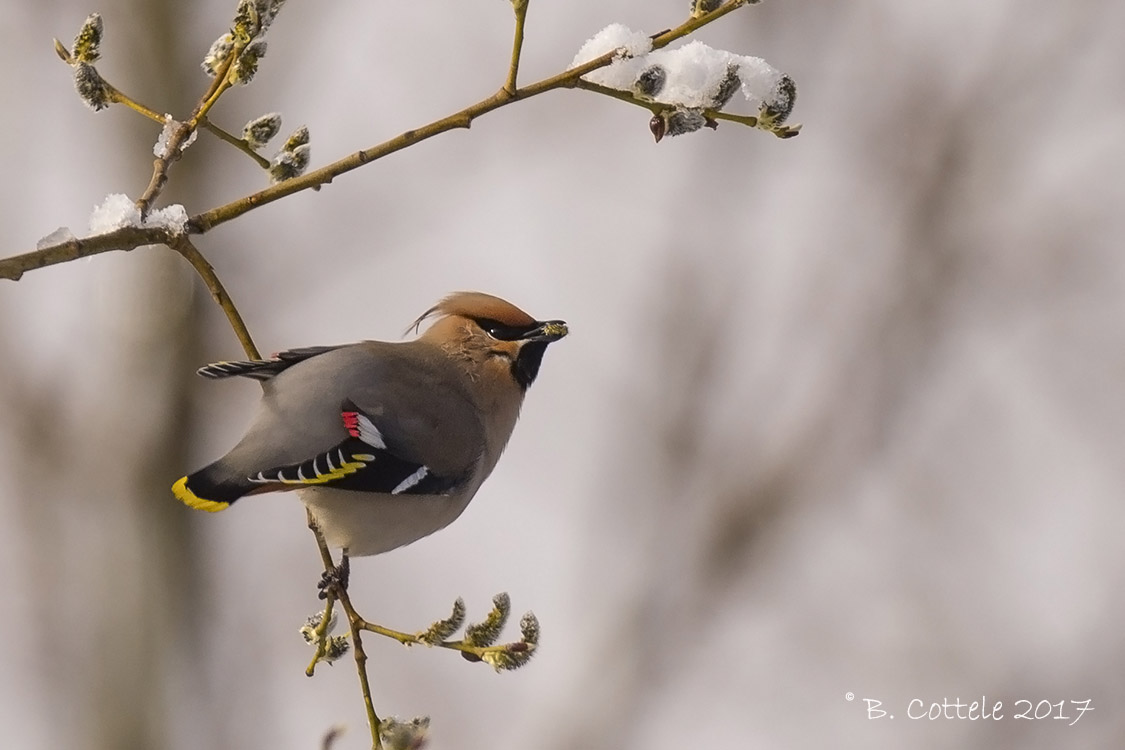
492	333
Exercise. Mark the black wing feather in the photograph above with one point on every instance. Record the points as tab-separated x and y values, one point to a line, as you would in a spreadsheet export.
358	466
262	369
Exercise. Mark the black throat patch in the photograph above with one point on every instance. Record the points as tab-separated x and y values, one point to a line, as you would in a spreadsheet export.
525	368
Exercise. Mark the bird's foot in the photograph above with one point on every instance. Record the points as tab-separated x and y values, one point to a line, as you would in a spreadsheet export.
335	579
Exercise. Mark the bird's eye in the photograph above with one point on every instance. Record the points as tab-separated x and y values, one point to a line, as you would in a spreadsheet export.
499	331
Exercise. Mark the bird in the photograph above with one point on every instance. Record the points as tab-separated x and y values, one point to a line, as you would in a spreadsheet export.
384	442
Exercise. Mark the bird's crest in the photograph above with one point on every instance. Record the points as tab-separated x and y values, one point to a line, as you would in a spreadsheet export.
476	305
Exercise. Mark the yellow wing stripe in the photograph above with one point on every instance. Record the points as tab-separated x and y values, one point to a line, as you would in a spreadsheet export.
192	500
345	468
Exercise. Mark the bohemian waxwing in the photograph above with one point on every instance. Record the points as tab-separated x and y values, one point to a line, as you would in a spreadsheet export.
385	442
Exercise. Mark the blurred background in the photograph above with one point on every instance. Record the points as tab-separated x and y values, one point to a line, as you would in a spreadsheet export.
840	415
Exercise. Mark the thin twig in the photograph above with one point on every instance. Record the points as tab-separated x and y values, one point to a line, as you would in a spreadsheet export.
520	7
624	96
414	639
341	594
321	634
125	238
118	96
329	594
239	143
354	622
750	121
184	247
173	149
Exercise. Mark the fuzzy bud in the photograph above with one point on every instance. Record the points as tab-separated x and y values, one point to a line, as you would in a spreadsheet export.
246	66
509	657
727	87
298	137
335	647
91	87
487	632
650	82
261	130
246	23
779	106
308	630
289	163
703	7
443	629
676	121
220	48
396	734
87	45
529	629
267	11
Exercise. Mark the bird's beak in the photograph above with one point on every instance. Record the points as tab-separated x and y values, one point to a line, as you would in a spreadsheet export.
552	330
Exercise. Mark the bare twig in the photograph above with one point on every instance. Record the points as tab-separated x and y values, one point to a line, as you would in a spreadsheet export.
520	7
320	632
184	247
413	639
235	141
179	136
354	621
125	238
119	97
341	594
623	96
655	107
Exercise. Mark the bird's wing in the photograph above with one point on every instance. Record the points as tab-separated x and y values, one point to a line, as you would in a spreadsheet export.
262	369
362	462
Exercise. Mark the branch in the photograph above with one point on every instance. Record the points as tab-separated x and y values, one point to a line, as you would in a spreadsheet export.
354	621
13	268
117	96
239	143
340	593
182	245
125	238
478	653
173	149
655	107
520	7
207	220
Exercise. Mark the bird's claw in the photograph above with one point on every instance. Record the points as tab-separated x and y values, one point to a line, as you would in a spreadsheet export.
335	579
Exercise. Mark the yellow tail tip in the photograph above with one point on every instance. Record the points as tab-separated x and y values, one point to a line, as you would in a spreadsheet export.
190	499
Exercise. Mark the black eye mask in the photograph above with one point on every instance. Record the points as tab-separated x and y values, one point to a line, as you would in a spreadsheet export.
498	330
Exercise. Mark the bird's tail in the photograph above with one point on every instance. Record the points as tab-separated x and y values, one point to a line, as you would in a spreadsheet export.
211	489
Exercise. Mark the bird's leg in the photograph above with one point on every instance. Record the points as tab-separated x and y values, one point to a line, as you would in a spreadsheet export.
344	570
335	578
